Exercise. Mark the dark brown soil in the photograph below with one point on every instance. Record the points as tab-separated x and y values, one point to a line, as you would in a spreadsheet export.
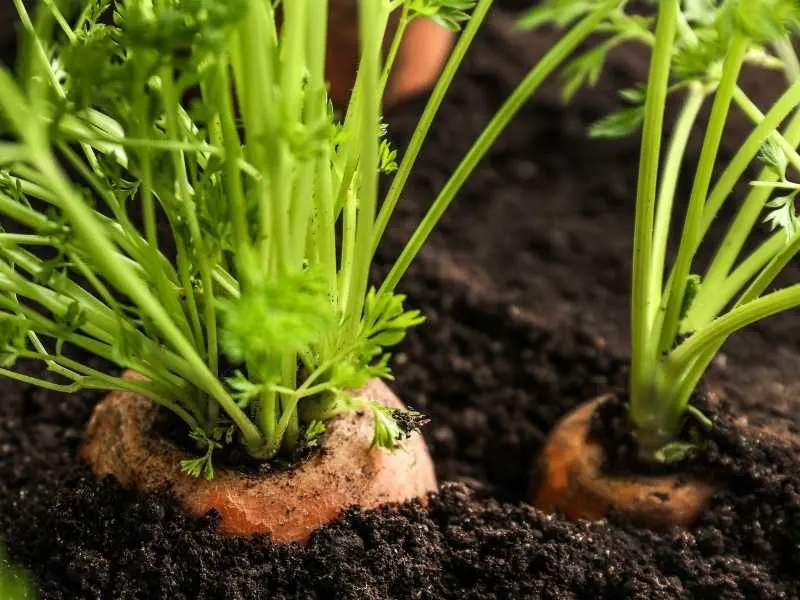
525	286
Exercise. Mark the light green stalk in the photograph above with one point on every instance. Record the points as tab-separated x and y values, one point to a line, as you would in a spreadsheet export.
643	296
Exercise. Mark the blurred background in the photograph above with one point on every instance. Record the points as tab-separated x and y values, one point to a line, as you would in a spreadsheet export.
8	17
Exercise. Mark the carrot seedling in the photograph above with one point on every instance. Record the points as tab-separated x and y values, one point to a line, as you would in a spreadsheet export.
187	204
681	314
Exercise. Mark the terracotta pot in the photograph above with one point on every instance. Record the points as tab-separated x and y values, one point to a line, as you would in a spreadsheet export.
423	52
571	481
286	504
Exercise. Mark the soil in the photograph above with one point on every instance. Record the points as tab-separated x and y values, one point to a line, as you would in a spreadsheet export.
610	427
230	456
525	286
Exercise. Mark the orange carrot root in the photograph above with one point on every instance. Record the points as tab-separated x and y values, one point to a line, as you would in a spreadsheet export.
286	504
572	482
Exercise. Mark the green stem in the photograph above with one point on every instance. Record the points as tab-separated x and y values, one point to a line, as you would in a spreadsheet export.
36	84
290	81
791	65
267	418
27	216
148	206
325	221
50	365
159	269
187	204
104	257
233	180
99	313
371	17
394	49
253	61
23	215
688	382
69	388
95	325
352	130
291	434
780	259
97	284
326	226
643	295
26	239
101	324
163	389
99	188
40	51
227	282
47	327
693	374
71	129
59	17
666	195
314	111
720	329
753	265
758	264
187	291
348	250
693	224
777	185
747	215
766	125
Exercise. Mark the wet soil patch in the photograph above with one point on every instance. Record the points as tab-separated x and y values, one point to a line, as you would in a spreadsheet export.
525	288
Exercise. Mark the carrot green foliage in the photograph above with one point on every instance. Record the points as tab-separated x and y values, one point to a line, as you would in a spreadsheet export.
681	314
15	583
181	199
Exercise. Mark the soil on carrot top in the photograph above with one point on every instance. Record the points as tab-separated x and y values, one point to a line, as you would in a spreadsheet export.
231	456
525	288
610	427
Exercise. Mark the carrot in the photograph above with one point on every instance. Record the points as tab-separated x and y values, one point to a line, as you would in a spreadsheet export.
571	481
347	469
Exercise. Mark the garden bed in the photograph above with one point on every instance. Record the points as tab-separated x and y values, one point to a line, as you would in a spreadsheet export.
525	286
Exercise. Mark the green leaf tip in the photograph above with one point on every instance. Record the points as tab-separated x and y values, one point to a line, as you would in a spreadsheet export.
14	330
287	314
450	14
556	12
774	157
783	215
618	124
761	20
393	426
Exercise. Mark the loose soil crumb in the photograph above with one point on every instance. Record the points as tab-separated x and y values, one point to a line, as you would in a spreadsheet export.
525	288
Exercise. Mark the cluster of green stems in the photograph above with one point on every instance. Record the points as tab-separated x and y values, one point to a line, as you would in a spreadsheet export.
312	207
677	330
295	201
